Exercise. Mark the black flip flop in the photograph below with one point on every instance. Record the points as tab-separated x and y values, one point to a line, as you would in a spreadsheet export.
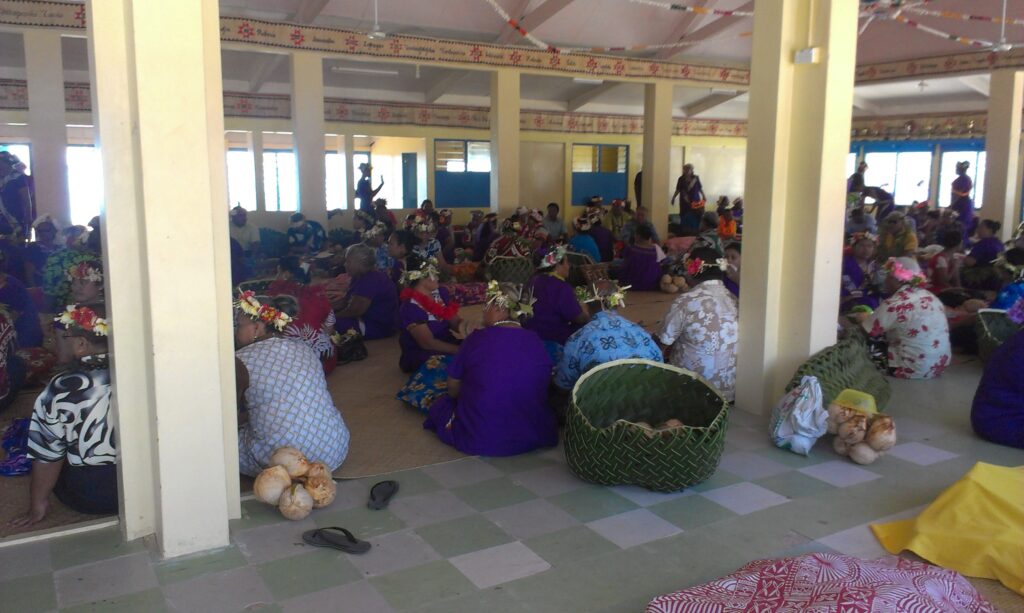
326	537
381	494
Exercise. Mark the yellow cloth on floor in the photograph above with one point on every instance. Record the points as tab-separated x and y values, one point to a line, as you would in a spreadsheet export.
975	527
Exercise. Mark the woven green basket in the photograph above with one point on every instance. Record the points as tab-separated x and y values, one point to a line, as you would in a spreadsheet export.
510	269
576	263
847	364
604	445
258	286
993	328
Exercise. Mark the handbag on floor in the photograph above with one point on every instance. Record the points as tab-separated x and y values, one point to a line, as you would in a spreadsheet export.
350	347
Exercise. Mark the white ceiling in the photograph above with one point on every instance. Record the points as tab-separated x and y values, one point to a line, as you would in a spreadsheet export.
572	23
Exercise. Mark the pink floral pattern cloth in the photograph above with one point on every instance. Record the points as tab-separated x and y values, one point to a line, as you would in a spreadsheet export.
828	583
913	322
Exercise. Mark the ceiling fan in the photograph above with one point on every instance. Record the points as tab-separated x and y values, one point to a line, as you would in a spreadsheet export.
1003	46
376	33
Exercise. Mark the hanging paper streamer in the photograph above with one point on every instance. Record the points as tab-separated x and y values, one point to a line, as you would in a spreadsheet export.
682	43
699	10
518	28
963	40
1010	21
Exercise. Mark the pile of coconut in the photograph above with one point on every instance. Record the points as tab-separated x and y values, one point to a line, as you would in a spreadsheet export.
861	436
664	429
295	485
672	285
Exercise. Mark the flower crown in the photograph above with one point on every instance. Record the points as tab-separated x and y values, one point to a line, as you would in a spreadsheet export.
86	271
1016	312
375	230
84	318
511	226
1016	271
424	225
512	296
427	270
697	266
608	294
903	274
248	304
857	237
444	213
553	258
366	217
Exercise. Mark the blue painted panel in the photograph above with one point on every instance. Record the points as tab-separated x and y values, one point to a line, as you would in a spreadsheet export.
609	185
957	144
462	189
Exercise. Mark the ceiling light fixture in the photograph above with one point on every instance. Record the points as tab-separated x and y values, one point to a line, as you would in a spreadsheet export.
377	33
583	81
376	71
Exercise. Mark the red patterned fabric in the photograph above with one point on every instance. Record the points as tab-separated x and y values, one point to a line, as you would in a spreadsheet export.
468	294
39	365
827	583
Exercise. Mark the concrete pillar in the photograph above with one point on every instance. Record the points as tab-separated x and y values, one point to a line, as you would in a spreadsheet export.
431	170
173	362
256	146
504	141
308	126
1001	200
799	136
46	125
657	152
350	172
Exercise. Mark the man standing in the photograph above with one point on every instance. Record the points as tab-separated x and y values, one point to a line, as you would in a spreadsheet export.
364	192
855	184
247	236
638	187
691	198
554	224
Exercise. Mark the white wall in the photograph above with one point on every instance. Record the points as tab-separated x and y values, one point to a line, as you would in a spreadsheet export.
721	170
386	158
542	174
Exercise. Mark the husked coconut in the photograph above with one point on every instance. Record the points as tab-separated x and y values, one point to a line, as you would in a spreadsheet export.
271	483
292	459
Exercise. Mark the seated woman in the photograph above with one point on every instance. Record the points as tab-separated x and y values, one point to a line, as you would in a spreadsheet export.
370	305
312	319
897	238
14	295
977	271
583	241
496	394
361	222
556	312
607	337
71	434
733	255
944	268
911	322
401	245
700	329
428	319
445	235
1010	267
997	413
305	235
511	243
282	384
859	271
486	234
640	267
38	251
430	247
376	238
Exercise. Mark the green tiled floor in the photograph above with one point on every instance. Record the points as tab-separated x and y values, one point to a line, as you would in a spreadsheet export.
436	562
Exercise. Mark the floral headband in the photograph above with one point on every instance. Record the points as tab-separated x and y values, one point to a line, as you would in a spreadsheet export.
376	230
1016	271
424	225
427	270
697	266
857	237
366	218
84	318
903	274
248	304
511	226
553	258
1016	312
444	213
582	223
609	294
511	296
86	271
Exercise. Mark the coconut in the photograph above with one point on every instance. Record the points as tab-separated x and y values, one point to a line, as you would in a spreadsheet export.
322	490
647	429
831	425
666	279
840	413
296	503
679	282
271	483
881	434
840	447
292	459
318	469
672	423
852	430
862	453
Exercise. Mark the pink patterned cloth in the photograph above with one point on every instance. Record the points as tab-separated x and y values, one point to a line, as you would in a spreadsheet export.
468	294
827	583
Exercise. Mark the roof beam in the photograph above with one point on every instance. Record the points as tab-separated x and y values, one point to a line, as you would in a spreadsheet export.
534	19
441	85
679	32
863	104
576	102
976	82
713	28
307	12
709	102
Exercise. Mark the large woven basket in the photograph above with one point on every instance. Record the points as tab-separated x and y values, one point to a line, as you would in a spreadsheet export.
510	269
603	443
847	364
592	273
993	328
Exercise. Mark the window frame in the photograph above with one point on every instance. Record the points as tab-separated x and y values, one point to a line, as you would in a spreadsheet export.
600	154
465	154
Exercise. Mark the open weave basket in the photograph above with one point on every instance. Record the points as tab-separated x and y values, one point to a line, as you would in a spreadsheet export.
847	364
604	445
258	286
993	328
510	269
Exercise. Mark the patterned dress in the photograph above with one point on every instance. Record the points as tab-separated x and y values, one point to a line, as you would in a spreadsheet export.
289	405
913	323
701	327
310	238
607	337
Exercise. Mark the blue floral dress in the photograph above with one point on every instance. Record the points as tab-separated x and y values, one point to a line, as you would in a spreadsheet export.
606	338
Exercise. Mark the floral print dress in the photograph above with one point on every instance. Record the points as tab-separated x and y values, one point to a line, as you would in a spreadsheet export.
702	328
913	323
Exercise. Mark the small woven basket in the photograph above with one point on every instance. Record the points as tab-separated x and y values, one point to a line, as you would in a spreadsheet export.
604	444
993	328
258	286
510	269
845	365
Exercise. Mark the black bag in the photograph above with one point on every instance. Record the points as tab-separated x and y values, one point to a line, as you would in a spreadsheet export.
350	347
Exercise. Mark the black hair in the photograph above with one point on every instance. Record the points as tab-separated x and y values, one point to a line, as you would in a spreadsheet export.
292	264
710	255
1015	256
676	228
553	204
735	246
407	239
992	225
643	232
933	214
951	238
297	217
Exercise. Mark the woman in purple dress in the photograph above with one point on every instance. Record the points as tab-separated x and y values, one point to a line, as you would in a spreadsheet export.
497	389
401	244
977	271
371	303
859	270
640	268
961	202
557	313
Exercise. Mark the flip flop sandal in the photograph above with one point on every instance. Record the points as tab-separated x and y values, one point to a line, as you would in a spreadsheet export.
328	537
381	494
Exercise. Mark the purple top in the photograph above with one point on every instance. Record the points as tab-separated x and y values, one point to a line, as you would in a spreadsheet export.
640	269
379	319
605	242
555	309
410	314
16	298
502	408
963	205
855	280
997	413
732	286
986	250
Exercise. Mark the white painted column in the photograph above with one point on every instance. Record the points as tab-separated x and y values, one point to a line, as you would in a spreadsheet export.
431	170
350	172
256	146
657	152
1001	200
47	127
172	350
504	141
799	136
308	126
